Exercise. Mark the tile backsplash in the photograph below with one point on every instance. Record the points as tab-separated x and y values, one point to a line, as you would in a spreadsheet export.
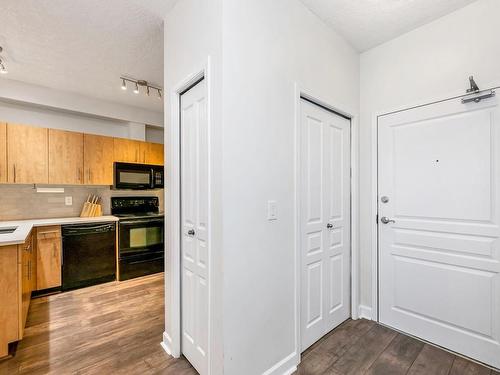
18	202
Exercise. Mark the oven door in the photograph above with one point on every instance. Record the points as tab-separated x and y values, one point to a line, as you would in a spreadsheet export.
141	237
133	176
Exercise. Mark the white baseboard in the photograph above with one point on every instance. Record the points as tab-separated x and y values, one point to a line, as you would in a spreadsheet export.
286	366
166	344
365	312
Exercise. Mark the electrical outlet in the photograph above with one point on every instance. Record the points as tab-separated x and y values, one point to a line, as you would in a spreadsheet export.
68	201
272	210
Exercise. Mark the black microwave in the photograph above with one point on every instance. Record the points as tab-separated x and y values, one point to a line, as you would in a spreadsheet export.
138	176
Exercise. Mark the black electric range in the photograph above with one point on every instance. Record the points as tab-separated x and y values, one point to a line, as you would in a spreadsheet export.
141	235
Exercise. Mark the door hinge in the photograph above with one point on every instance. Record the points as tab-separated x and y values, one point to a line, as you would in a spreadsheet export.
376	219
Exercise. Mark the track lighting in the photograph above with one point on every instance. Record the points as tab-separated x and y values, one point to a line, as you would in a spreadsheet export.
3	69
141	83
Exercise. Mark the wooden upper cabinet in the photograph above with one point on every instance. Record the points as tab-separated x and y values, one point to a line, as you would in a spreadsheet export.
128	150
3	152
154	153
27	154
65	157
132	151
98	160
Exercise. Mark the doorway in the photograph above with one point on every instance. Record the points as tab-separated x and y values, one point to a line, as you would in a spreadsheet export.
195	251
324	220
439	225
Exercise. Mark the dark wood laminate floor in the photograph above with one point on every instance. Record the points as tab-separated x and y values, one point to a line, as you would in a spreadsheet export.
364	347
113	328
116	328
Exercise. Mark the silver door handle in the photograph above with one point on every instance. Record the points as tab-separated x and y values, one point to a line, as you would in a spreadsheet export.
191	232
329	225
386	220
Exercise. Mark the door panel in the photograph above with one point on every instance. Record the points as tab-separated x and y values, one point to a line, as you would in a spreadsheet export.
27	154
440	260
194	218
65	157
98	160
325	222
154	153
128	150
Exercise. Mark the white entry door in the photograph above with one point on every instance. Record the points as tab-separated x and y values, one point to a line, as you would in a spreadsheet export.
194	219
324	222
439	248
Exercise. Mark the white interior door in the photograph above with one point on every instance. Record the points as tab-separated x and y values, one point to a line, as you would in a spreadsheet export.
324	222
194	219
439	261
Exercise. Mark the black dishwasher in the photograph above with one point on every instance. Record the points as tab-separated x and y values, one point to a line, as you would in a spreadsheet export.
89	254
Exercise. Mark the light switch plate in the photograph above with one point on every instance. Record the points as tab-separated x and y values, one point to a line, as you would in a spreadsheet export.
68	201
272	210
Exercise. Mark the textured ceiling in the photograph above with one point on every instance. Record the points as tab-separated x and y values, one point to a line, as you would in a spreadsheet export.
368	23
83	46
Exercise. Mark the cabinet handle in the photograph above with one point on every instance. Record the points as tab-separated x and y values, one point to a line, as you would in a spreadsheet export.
14	173
144	157
29	269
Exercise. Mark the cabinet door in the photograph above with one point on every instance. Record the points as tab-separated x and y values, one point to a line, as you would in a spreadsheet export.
9	297
48	262
3	152
154	153
65	157
128	151
27	154
98	160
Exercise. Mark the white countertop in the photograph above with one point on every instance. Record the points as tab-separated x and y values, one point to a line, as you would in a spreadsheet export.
24	227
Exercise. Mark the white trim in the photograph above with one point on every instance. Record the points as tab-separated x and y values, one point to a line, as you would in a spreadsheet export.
286	366
374	177
166	344
172	208
365	312
354	116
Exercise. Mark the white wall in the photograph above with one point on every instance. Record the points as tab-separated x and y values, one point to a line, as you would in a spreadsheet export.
47	118
155	134
432	62
193	33
268	46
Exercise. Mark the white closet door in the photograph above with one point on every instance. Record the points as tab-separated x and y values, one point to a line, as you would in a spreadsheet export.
439	261
325	221
194	218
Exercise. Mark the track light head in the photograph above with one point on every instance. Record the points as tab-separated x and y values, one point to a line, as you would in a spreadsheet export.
3	69
159	93
136	90
124	85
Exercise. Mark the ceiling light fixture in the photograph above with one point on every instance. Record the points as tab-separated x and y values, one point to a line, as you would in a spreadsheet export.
141	83
3	69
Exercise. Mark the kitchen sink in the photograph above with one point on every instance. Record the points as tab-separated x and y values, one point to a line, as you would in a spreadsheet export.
7	230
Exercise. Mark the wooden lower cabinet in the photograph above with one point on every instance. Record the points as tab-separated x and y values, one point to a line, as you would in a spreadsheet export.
16	284
48	256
